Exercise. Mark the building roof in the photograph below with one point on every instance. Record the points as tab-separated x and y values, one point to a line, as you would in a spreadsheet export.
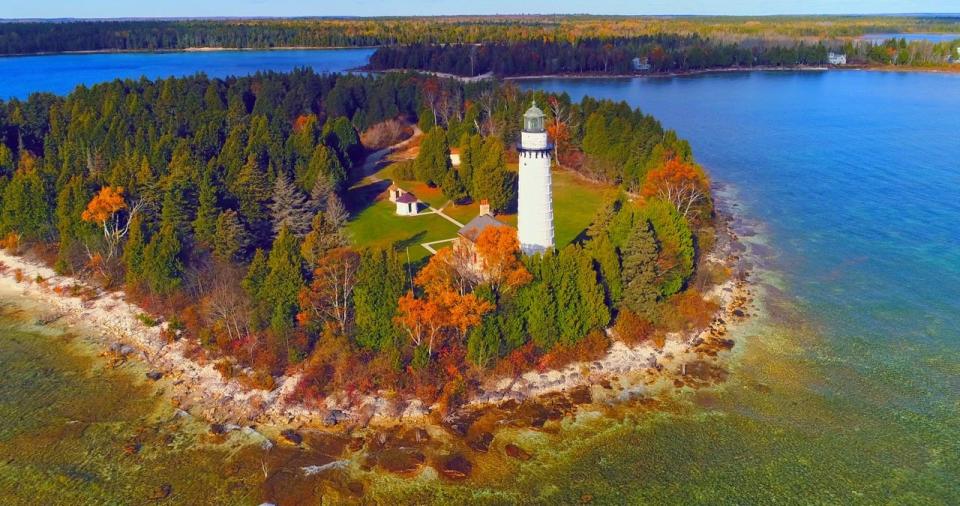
477	225
407	198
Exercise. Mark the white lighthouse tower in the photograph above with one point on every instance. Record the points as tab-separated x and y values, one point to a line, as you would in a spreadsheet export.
535	199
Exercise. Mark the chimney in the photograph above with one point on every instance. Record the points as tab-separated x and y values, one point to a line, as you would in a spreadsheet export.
485	207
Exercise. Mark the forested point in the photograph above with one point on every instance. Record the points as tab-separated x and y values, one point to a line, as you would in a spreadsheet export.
219	205
661	53
27	37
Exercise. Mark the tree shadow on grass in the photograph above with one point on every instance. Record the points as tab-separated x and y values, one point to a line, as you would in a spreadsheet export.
362	197
411	241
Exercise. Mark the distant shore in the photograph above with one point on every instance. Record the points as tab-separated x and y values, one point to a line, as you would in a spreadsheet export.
198	49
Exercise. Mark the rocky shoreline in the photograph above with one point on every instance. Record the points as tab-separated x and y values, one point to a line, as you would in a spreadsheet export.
118	327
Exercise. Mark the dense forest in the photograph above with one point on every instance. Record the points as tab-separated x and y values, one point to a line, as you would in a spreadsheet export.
663	53
219	205
57	36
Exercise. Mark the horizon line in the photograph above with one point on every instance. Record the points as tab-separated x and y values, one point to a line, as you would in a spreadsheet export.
440	16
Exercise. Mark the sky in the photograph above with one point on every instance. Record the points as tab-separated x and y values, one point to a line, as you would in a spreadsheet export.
208	8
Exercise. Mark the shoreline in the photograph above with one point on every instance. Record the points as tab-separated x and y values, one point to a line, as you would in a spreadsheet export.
953	69
197	49
111	324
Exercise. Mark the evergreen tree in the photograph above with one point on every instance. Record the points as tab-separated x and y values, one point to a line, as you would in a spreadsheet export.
483	342
571	321
253	283
380	283
608	261
73	231
433	160
253	193
676	244
133	252
229	237
640	271
453	187
289	208
593	307
25	208
205	223
540	308
284	280
491	179
323	168
162	267
325	235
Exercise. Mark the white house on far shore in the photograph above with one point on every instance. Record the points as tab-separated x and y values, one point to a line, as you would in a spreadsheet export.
836	58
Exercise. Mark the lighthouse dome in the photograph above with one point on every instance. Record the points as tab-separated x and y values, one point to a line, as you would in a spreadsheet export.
533	119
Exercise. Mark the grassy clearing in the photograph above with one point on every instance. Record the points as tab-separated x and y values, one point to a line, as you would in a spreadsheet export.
378	225
375	223
575	201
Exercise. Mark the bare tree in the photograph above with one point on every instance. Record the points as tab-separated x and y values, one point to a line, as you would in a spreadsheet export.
330	296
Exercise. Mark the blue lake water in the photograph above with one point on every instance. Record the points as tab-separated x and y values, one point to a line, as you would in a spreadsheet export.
22	75
847	392
855	177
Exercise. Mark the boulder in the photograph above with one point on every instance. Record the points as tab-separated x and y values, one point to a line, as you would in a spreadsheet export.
517	452
292	436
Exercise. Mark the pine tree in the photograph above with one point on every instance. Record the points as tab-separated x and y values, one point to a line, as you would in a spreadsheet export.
229	237
540	308
675	241
453	187
593	306
608	261
571	321
640	271
253	193
162	267
483	342
253	283
433	160
73	231
205	223
133	252
323	166
380	283
289	208
491	179
25	208
325	235
284	280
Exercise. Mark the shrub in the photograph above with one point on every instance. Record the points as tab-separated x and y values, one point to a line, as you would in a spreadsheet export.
147	320
688	311
631	328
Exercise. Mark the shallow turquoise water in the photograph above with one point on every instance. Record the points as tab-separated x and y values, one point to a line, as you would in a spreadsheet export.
855	178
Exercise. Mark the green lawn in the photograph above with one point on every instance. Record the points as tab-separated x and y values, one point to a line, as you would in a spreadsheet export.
575	201
378	225
375	223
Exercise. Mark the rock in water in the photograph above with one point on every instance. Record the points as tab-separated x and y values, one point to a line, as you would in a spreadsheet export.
456	467
162	492
154	375
292	436
517	452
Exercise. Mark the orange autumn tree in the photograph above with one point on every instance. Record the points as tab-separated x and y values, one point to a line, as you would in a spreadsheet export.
445	307
104	210
681	183
499	253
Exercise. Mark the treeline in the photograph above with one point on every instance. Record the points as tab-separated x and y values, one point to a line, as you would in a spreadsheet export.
39	37
661	54
221	204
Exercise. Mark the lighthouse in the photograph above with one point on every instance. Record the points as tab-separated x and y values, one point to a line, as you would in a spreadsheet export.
535	199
